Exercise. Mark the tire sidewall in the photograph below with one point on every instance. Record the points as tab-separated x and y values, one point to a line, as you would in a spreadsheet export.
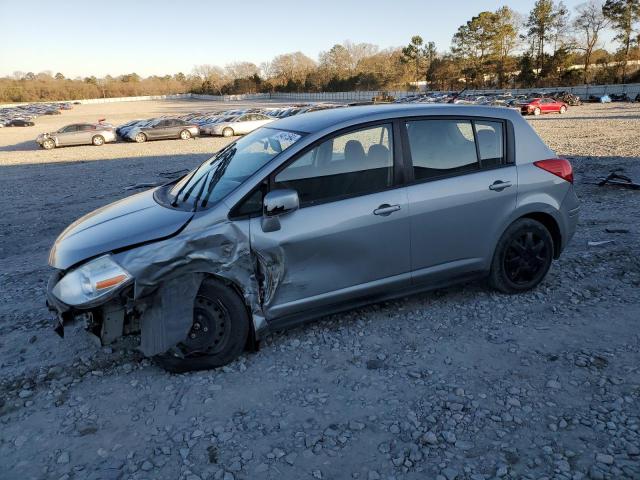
240	330
498	277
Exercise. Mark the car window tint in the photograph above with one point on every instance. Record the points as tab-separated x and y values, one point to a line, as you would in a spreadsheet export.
441	147
71	128
490	143
355	163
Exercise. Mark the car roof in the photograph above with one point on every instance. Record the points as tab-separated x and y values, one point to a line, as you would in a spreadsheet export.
319	120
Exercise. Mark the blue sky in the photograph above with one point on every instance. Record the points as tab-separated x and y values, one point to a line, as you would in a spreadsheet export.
162	36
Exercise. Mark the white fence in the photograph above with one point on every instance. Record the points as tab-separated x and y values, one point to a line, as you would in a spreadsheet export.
230	98
583	91
134	99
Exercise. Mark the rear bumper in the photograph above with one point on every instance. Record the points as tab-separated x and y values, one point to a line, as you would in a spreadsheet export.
570	213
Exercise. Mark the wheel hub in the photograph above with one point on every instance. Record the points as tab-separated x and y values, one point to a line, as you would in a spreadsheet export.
210	329
525	258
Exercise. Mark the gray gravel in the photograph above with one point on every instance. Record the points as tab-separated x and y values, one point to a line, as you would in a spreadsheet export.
460	383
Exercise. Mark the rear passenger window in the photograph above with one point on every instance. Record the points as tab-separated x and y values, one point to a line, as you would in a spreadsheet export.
490	143
441	147
355	163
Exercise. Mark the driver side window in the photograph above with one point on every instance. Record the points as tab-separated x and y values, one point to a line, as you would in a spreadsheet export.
355	163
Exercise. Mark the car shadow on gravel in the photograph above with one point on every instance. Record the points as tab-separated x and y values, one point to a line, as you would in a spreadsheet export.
20	147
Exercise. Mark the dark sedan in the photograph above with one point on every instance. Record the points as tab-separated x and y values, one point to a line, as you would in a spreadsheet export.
163	128
18	122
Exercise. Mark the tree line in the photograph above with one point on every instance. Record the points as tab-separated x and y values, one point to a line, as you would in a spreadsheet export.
548	46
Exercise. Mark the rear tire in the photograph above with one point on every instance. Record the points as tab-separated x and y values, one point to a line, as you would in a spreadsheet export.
227	132
185	134
140	138
219	332
522	258
563	109
98	140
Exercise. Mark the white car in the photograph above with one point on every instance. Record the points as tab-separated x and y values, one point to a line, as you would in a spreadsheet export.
241	124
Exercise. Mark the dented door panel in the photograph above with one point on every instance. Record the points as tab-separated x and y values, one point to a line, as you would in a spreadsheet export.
332	252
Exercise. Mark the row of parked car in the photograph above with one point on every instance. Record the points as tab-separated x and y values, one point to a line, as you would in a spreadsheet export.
532	104
226	123
24	115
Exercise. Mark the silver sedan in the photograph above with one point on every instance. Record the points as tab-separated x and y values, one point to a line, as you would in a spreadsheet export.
78	134
241	124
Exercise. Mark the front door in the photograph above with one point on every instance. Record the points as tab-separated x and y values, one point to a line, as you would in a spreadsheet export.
350	237
460	195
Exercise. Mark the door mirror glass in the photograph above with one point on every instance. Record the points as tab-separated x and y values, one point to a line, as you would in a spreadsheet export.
279	202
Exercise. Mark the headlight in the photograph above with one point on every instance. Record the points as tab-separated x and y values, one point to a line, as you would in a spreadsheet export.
91	281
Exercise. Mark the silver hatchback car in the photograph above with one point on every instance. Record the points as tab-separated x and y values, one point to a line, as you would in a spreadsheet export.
312	215
78	134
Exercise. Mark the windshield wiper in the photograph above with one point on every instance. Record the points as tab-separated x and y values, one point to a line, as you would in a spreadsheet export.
174	203
221	168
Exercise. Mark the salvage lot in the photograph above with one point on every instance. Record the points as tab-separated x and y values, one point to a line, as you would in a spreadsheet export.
461	382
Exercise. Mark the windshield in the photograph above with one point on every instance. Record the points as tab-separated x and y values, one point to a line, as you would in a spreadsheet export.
227	169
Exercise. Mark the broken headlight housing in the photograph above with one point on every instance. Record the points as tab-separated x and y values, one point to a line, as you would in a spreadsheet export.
92	281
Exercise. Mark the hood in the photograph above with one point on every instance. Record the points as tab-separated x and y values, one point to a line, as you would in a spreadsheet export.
132	220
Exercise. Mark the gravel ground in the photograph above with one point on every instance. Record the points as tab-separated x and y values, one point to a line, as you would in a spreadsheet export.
460	383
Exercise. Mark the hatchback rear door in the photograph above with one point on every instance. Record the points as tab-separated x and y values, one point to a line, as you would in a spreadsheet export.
463	187
350	237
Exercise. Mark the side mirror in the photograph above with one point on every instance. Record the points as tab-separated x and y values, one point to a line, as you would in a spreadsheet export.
276	203
279	202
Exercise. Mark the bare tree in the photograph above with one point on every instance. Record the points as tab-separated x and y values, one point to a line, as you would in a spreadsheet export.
211	77
239	70
588	24
359	51
292	68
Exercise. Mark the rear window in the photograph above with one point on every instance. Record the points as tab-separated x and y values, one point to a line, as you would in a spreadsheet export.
442	147
490	143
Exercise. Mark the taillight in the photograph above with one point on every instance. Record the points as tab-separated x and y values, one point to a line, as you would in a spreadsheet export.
558	166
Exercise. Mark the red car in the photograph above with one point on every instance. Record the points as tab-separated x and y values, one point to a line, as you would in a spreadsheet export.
536	106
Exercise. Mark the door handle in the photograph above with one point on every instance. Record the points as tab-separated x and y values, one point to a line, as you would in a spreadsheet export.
499	185
386	209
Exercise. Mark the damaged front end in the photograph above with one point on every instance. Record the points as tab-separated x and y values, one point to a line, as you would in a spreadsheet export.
165	276
107	318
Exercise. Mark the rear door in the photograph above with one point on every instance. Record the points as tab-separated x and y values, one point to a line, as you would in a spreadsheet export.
158	131
69	136
85	134
463	187
349	238
243	125
547	105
